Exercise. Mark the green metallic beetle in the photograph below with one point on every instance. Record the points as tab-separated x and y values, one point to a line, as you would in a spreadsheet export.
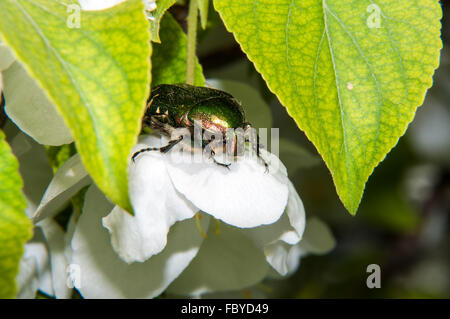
181	105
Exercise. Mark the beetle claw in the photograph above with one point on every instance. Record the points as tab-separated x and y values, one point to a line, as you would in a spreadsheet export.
227	166
139	152
163	149
211	155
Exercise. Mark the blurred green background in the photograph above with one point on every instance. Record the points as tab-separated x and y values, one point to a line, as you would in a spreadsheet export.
403	221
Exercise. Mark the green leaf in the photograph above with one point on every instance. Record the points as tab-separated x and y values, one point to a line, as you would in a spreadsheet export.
97	76
58	155
155	17
169	57
203	6
351	84
15	228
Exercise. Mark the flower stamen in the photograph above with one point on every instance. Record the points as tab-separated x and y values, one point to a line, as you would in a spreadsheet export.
197	218
217	227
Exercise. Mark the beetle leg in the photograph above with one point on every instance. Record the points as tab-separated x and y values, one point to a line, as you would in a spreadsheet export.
157	122
256	147
264	162
163	149
258	153
218	163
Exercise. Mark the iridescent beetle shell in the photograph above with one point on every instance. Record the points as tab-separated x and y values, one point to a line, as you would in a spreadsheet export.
181	105
174	106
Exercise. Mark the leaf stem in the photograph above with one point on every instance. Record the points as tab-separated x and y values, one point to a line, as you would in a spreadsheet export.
192	21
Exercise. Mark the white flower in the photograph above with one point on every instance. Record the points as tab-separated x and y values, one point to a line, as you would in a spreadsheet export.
165	188
43	264
160	248
231	262
34	272
262	223
103	274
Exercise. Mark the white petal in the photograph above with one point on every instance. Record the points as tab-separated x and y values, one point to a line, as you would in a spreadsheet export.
34	271
157	206
277	256
226	261
6	57
55	239
296	213
318	238
27	279
68	180
265	235
103	274
30	109
243	196
289	228
293	258
37	250
98	4
277	239
71	227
